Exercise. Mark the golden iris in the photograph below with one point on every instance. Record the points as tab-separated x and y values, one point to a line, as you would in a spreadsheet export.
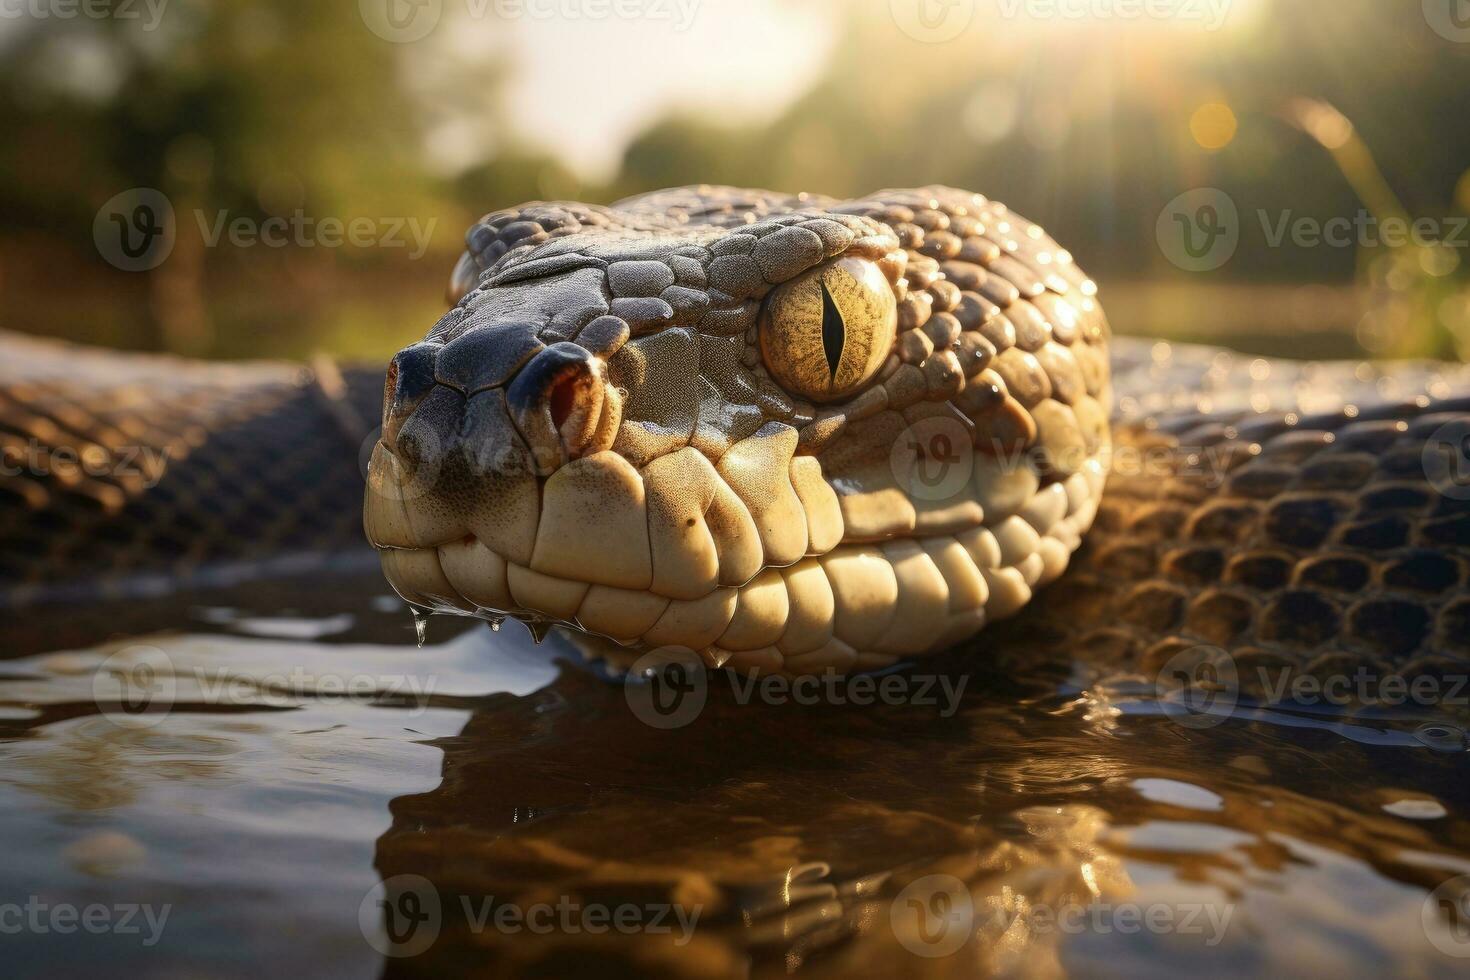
826	333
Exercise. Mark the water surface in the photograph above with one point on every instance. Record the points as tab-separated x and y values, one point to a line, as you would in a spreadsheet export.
293	786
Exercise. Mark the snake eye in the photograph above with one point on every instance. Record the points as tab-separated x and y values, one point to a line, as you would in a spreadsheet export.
825	333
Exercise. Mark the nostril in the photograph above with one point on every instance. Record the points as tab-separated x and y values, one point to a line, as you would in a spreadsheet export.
561	404
410	377
564	399
390	383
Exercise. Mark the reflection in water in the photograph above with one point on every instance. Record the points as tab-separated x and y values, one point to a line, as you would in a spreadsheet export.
1051	824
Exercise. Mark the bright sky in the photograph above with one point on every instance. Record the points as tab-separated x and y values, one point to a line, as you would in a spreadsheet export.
582	88
582	81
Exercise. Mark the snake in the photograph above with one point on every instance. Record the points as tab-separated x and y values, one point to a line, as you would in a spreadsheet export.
787	433
797	434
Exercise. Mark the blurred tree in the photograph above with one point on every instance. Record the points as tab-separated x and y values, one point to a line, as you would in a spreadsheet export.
263	107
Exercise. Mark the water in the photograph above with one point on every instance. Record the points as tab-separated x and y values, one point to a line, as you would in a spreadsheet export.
290	784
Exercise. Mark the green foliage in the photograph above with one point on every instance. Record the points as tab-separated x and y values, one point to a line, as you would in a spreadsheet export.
264	107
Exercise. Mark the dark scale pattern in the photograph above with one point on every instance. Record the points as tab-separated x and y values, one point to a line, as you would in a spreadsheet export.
1260	570
190	467
1326	546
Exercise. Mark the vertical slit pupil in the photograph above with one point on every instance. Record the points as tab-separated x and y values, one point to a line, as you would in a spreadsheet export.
834	331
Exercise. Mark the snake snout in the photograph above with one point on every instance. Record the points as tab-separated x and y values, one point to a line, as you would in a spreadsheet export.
563	405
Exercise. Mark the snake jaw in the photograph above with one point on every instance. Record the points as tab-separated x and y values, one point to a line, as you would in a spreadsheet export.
595	436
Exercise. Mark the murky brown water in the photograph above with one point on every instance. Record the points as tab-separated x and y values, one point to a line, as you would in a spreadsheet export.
296	788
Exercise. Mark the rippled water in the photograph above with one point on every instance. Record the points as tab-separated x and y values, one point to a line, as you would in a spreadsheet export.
284	782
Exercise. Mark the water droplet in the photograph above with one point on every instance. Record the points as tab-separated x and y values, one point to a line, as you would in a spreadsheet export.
495	623
420	625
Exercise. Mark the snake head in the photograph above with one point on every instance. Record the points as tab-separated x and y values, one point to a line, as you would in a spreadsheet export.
785	432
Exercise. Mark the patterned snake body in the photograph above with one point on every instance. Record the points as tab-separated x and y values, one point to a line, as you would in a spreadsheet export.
789	433
1281	513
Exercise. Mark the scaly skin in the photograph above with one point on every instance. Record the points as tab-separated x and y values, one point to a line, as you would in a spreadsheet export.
1266	543
596	435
